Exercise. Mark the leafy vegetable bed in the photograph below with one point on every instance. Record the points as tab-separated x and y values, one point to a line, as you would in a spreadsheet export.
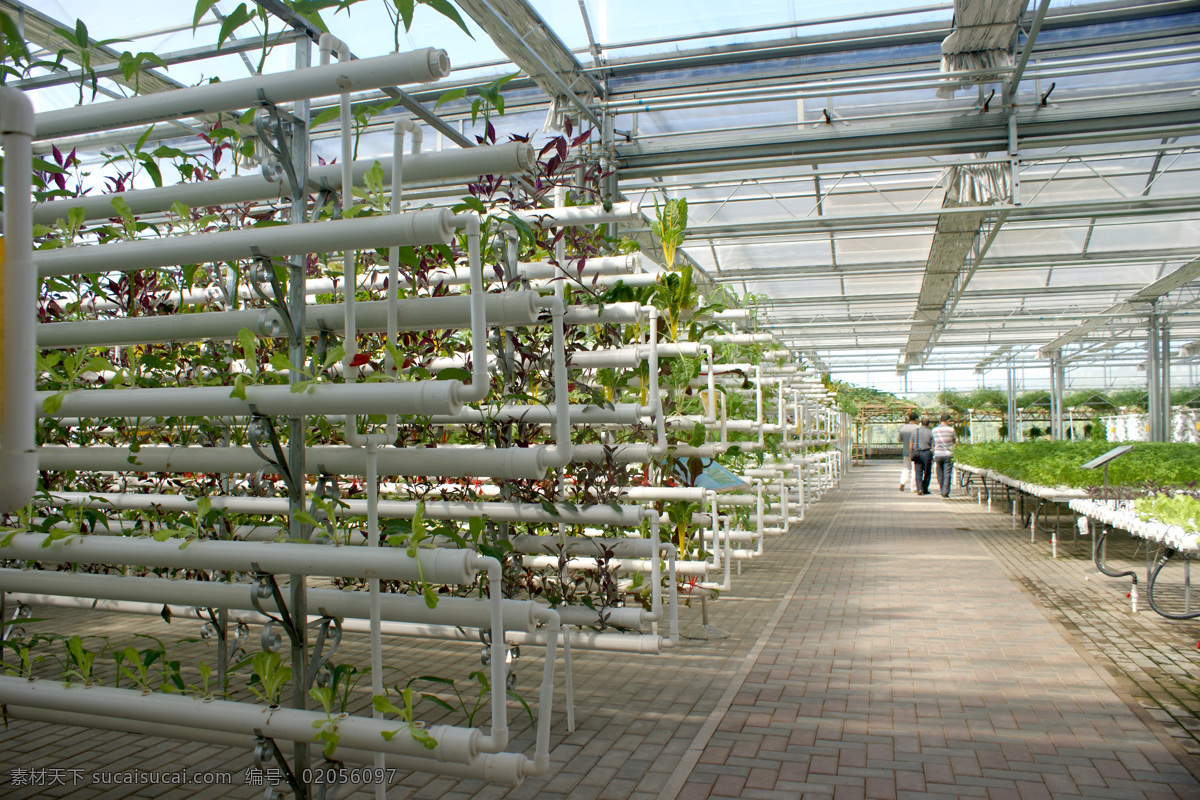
1057	463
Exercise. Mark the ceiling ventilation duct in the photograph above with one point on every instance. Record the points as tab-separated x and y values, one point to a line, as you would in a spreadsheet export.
982	39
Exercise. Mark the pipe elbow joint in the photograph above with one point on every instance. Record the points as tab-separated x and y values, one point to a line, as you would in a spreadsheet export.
16	112
557	457
468	222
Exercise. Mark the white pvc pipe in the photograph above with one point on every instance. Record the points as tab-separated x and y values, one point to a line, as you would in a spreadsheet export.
568	216
604	314
620	454
501	768
623	414
592	267
399	128
18	299
421	397
441	566
430	226
453	744
187	598
457	461
480	380
419	66
373	600
560	453
620	516
742	338
438	167
617	565
507	309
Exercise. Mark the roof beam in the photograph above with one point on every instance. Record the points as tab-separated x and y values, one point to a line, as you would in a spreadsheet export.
522	35
1134	305
946	269
1010	91
39	30
1117	207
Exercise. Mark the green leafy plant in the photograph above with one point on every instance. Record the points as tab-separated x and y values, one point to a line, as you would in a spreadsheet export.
79	661
327	729
469	709
1180	509
1049	463
669	226
416	539
79	48
489	101
269	678
383	705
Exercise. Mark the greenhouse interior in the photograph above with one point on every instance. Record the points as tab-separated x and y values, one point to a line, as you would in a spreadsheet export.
681	292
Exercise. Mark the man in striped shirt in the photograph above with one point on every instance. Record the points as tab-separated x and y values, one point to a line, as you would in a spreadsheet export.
943	453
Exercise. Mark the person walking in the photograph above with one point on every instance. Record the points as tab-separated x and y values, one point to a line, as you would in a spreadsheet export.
943	453
922	459
906	432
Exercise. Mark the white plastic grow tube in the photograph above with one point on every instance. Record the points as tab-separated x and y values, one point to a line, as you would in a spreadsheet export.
505	768
440	566
436	565
187	598
566	216
453	461
425	398
453	743
18	297
430	226
399	129
502	159
415	314
419	66
622	516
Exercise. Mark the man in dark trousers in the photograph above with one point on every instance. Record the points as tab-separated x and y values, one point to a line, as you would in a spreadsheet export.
906	434
922	458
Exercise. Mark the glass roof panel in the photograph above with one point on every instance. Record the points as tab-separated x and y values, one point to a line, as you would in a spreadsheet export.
628	28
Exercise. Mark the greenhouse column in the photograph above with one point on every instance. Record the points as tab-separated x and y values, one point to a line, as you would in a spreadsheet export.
1163	376
1154	388
1012	404
1056	396
1164	366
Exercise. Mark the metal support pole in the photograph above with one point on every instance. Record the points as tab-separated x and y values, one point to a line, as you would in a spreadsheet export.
1057	378
1153	379
1164	369
1012	404
297	427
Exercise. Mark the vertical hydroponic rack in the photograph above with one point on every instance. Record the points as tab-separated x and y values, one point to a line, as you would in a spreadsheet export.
270	399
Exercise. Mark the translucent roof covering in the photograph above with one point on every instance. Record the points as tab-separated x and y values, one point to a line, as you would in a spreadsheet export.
815	143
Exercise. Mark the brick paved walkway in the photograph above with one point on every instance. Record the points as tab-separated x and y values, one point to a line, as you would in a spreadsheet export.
910	665
889	646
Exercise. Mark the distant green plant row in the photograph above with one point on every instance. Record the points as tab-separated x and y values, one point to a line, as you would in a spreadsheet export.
1057	463
1101	402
